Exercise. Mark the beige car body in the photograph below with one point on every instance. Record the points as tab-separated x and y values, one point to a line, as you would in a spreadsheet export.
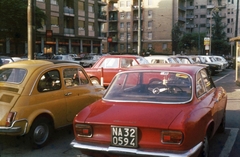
28	104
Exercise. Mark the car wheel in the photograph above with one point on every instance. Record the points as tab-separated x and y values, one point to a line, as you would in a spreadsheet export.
40	132
95	81
221	127
205	148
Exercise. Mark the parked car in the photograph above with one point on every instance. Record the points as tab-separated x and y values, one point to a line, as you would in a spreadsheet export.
89	60
65	57
211	59
109	65
213	66
5	60
160	59
222	60
38	96
153	110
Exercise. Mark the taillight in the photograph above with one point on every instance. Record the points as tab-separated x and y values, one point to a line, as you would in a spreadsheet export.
83	130
172	137
10	118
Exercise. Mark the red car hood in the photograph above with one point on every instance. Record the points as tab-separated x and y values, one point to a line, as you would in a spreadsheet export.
133	114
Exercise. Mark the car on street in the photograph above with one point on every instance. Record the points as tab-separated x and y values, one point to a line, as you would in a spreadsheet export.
5	60
103	71
38	96
222	60
160	59
65	57
89	60
153	110
213	66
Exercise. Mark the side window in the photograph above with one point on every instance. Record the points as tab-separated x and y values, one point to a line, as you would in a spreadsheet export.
206	80
74	77
49	81
110	63
200	89
126	63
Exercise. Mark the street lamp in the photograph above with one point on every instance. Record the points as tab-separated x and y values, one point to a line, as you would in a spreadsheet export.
210	44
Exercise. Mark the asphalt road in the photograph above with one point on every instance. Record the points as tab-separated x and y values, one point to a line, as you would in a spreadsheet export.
222	145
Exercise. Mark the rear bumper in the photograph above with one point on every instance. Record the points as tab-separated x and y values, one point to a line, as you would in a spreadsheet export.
17	130
136	152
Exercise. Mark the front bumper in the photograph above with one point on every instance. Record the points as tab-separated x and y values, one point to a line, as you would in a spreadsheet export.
15	129
136	152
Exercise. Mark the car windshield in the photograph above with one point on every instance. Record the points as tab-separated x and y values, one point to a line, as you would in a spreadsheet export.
12	75
151	86
142	60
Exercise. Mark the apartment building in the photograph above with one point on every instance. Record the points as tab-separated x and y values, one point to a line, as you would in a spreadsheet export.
157	18
72	26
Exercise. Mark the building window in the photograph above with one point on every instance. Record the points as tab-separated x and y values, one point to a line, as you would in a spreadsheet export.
149	46
40	0
121	46
149	24
196	7
149	13
54	21
202	16
128	4
164	46
122	15
150	2
90	8
121	25
128	24
128	15
54	2
90	26
81	25
81	6
121	36
203	6
149	35
122	4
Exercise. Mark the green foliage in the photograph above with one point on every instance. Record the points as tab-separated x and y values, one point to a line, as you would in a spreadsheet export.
176	36
13	15
219	42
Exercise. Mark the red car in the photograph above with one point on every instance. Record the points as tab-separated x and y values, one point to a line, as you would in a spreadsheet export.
153	110
103	71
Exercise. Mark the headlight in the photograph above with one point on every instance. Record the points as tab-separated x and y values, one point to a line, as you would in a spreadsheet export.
172	137
83	130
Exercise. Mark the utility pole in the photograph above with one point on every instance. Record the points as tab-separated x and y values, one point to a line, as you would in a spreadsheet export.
31	28
236	26
139	28
127	38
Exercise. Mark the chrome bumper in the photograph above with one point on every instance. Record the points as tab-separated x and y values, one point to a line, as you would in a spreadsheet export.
136	152
15	129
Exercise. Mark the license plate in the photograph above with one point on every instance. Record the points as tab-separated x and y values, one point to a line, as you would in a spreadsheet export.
124	136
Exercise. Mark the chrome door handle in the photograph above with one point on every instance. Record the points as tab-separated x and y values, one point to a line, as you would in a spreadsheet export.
67	94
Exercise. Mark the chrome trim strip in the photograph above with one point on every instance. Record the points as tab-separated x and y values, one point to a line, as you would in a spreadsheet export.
13	129
135	152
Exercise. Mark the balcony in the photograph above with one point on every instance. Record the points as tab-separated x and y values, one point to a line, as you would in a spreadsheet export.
190	7
68	11
102	2
68	31
190	26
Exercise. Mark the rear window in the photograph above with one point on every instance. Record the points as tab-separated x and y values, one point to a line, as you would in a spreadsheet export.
12	75
151	86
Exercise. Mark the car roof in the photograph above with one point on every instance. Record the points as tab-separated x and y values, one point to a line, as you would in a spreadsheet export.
185	68
35	63
121	56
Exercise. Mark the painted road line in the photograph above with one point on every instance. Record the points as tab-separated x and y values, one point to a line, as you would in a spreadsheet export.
229	143
221	78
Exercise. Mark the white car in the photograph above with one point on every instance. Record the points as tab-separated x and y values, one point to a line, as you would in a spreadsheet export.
160	59
223	60
211	59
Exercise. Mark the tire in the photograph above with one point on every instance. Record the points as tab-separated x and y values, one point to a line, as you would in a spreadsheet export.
40	132
205	148
95	81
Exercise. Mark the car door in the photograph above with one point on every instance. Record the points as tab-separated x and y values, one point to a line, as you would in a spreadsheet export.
110	68
77	91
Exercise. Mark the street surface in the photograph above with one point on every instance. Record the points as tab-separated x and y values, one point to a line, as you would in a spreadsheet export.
221	145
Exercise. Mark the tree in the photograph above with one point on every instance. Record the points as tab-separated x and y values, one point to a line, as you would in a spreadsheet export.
13	15
219	43
176	35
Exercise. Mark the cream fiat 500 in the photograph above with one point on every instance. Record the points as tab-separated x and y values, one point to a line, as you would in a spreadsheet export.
38	96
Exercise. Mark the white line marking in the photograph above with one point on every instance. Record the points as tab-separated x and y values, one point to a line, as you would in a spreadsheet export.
221	78
229	143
